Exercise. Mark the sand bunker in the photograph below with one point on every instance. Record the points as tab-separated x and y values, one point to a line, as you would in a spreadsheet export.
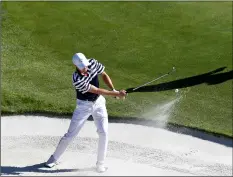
28	141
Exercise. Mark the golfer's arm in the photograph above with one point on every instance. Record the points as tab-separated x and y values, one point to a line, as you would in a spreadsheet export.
107	80
101	91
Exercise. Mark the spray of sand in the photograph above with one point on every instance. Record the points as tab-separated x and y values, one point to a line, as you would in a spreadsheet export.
160	113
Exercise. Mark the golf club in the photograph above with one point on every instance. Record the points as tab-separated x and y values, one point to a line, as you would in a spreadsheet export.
173	69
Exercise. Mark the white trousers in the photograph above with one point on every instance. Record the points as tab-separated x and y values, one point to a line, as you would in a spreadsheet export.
81	113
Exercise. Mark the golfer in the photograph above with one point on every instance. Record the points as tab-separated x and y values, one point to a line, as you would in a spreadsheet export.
89	102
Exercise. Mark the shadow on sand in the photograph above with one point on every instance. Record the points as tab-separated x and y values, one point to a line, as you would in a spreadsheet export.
38	168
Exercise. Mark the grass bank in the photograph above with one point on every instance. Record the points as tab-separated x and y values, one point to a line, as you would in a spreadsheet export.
136	41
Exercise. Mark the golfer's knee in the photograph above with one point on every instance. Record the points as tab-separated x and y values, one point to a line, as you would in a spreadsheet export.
102	132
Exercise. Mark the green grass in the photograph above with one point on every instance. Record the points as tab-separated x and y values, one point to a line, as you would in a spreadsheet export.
136	41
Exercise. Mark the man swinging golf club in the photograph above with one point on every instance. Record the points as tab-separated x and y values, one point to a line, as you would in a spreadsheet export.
89	102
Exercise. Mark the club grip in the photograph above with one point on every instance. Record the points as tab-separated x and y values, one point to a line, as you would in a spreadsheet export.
129	90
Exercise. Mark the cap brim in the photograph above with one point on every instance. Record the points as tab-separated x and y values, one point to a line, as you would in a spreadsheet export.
83	65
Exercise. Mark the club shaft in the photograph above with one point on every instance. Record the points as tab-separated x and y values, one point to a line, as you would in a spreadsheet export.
152	81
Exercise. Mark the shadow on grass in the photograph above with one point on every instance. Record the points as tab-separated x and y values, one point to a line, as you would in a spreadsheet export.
210	78
39	168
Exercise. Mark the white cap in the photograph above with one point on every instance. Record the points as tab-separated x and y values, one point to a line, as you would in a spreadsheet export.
80	60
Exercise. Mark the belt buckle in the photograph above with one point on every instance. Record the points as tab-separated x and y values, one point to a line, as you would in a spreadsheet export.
92	99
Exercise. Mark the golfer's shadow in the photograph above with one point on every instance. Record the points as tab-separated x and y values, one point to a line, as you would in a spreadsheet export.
209	78
38	168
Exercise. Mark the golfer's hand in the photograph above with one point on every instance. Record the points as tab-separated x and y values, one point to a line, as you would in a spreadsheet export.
122	94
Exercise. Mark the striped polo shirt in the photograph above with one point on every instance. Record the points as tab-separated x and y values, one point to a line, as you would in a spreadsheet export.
82	82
